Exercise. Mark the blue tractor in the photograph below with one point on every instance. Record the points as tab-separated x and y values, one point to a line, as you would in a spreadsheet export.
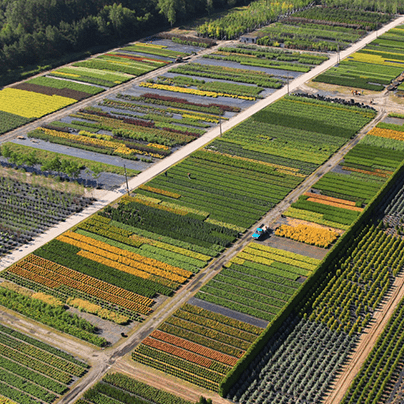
260	232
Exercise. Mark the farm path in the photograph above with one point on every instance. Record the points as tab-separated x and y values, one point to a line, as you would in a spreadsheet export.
102	360
366	343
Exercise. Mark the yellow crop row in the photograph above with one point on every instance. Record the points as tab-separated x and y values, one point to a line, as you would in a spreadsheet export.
89	307
160	191
193	91
86	139
283	253
279	168
224	224
128	257
239	261
89	140
255	258
374	59
48	299
200	118
4	400
335	204
29	104
388	133
313	217
308	234
141	271
141	199
158	146
179	250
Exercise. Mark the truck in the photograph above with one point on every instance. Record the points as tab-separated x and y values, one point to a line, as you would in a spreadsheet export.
260	232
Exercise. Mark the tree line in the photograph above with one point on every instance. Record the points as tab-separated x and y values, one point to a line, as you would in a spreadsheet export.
35	31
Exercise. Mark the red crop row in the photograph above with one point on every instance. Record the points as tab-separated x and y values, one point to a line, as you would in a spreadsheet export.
181	353
193	347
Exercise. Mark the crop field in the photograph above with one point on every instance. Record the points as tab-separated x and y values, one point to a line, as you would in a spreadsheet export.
379	376
30	105
28	209
237	290
373	67
145	127
342	195
117	67
65	86
197	345
118	388
321	28
200	345
91	76
309	234
32	371
215	77
251	55
244	161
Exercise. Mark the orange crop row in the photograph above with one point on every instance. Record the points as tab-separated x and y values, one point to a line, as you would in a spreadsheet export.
15	269
160	191
102	294
376	173
131	266
78	276
193	347
329	198
181	353
52	279
141	271
387	133
88	241
337	205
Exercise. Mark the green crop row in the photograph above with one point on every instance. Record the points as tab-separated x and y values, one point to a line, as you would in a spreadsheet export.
35	364
232	305
199	339
31	375
226	73
65	84
44	347
10	121
43	356
55	317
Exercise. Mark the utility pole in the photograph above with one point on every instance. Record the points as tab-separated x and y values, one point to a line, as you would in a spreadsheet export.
126	178
338	55
220	125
